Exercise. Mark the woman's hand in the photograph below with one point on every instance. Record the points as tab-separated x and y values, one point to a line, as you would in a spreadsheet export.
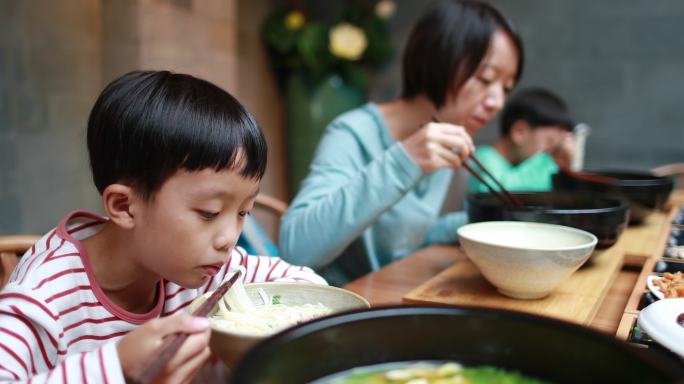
138	348
439	145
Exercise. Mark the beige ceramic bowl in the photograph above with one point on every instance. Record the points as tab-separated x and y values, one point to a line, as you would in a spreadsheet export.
229	346
526	260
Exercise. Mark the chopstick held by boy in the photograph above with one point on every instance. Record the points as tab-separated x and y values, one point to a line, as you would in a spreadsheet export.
178	162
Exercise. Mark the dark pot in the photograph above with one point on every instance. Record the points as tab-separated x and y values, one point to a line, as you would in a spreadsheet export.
644	191
605	217
543	348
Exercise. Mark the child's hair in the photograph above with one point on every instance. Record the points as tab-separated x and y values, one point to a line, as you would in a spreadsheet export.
538	107
146	125
447	45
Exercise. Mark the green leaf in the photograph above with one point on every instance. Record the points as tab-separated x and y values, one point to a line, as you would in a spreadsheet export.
277	36
313	47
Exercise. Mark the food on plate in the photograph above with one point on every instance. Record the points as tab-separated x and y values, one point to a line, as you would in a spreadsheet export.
675	251
671	284
237	313
426	373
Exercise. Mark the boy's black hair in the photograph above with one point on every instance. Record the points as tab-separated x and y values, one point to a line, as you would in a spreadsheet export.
538	107
447	45
146	125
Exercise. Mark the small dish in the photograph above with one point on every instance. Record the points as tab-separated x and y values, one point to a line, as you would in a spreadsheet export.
659	320
650	283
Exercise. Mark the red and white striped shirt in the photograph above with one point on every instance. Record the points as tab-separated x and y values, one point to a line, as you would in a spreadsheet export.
56	324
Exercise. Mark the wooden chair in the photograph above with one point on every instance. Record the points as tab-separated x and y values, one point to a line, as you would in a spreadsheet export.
676	170
11	247
272	206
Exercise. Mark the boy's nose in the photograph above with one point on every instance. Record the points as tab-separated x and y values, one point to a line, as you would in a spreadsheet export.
226	237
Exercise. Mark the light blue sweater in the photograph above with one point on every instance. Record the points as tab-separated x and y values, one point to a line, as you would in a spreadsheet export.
365	202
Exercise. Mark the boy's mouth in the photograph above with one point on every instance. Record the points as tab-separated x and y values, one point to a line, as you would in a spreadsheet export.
212	269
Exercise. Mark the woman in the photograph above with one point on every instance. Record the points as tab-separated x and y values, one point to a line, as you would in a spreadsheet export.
381	172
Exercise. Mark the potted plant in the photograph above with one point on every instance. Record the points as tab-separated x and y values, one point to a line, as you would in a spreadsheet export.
322	62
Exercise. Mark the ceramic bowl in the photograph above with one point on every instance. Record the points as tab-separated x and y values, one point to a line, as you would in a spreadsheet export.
229	345
526	260
662	321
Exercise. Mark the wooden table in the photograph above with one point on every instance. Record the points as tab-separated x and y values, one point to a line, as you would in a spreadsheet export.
390	284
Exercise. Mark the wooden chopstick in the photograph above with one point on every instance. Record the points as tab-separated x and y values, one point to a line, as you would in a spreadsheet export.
512	198
170	347
494	192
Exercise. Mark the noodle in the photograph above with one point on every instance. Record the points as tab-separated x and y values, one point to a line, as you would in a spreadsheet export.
237	313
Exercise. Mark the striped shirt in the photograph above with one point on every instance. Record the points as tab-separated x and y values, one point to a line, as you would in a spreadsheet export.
56	323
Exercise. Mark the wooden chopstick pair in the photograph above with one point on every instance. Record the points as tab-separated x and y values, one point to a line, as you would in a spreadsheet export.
173	343
502	194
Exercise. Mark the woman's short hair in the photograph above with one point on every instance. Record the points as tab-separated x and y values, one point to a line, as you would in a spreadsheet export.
538	107
146	125
451	40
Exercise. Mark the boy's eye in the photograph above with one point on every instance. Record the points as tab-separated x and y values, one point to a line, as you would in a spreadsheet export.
244	213
208	215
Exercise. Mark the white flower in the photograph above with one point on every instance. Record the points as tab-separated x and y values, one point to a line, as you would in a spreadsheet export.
347	41
385	9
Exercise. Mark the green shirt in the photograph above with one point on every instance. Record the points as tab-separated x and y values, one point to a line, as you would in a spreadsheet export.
533	174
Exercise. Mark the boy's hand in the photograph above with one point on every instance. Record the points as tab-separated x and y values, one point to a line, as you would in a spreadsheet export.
564	151
439	145
138	348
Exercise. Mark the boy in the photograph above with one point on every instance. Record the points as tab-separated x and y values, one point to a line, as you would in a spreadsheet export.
536	139
178	163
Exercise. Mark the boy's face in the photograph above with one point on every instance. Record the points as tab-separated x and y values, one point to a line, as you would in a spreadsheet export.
541	138
186	231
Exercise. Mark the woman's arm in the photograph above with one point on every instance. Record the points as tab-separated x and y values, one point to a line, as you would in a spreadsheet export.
346	191
443	231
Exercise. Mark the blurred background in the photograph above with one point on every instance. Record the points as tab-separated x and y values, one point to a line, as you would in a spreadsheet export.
617	63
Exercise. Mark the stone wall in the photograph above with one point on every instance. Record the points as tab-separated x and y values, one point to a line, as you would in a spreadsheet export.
55	58
50	74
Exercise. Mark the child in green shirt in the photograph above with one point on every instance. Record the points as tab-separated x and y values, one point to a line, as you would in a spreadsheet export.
536	139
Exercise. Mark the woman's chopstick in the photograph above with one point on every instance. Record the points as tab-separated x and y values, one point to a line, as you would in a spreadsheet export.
493	191
511	197
502	194
170	347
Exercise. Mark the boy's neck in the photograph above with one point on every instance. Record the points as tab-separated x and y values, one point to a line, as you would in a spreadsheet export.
508	150
125	282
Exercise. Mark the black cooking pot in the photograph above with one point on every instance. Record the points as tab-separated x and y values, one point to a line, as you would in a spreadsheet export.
538	347
605	217
644	191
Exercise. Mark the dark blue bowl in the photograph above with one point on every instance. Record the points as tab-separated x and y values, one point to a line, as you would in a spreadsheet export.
644	191
605	217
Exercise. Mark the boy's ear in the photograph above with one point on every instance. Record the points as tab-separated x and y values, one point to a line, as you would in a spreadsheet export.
119	202
520	130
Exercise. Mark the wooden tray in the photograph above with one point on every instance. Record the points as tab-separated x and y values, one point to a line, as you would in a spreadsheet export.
649	238
577	300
